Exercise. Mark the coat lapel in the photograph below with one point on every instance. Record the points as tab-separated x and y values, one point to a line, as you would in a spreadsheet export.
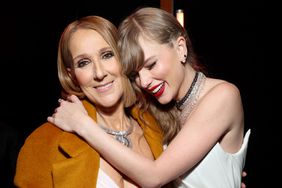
152	131
80	168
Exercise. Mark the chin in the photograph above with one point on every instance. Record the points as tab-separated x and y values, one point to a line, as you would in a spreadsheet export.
164	100
109	103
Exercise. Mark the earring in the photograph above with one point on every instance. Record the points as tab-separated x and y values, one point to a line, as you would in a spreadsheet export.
183	62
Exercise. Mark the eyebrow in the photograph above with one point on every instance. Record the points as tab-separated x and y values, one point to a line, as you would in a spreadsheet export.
105	49
80	56
85	55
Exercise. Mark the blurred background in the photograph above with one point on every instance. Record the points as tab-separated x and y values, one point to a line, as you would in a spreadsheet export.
227	35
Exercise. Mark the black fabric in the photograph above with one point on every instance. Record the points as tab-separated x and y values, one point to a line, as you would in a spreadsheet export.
10	143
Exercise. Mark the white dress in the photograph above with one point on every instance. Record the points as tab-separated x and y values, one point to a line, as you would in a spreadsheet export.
104	181
218	169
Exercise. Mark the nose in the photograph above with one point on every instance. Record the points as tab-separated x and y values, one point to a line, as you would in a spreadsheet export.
99	71
144	79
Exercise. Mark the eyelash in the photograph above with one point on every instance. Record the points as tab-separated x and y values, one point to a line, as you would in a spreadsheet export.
134	75
83	62
151	66
107	55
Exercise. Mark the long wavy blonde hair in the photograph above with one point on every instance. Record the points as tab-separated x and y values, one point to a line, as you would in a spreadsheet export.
162	27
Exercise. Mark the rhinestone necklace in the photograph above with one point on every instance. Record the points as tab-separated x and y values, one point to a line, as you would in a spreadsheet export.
188	102
179	104
120	136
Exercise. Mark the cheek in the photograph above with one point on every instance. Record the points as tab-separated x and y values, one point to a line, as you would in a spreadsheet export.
83	77
161	71
89	94
169	67
137	82
114	67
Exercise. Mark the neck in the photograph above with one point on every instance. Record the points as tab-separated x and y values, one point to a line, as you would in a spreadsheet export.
114	119
188	102
189	75
116	124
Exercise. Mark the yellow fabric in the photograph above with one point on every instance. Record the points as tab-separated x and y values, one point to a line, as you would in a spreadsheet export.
51	157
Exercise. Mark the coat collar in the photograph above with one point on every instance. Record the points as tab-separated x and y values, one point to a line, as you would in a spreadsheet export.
71	143
152	130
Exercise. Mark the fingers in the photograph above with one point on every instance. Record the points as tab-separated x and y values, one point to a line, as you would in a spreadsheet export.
51	119
243	185
70	98
73	98
244	174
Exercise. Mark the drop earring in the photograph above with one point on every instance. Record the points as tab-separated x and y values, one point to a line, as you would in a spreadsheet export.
183	62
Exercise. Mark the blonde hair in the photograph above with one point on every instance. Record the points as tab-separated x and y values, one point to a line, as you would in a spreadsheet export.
65	61
162	27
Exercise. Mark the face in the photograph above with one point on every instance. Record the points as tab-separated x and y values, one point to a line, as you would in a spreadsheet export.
97	70
163	72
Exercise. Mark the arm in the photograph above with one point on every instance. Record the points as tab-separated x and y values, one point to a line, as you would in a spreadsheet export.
208	123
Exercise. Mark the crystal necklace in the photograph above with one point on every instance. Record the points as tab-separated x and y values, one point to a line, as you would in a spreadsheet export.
180	103
120	136
187	103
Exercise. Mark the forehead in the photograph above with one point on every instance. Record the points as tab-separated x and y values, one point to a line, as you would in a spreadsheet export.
86	40
148	45
151	48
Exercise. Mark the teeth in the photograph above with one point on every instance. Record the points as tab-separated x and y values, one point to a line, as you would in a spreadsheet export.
157	89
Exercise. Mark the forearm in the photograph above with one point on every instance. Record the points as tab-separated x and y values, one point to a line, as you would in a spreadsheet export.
140	169
71	116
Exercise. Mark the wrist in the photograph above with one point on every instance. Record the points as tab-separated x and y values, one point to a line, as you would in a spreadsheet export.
83	127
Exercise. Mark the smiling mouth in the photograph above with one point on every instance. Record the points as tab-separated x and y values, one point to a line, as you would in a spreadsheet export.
157	89
104	87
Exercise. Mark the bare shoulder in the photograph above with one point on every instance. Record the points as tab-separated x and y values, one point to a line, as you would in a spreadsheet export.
226	101
222	89
223	96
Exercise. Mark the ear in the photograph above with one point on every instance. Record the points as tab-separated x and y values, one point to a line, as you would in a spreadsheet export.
69	72
181	48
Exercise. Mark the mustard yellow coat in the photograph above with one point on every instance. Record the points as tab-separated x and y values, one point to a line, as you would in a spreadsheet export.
51	157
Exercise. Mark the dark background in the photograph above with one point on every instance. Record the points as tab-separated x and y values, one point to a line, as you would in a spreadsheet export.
227	35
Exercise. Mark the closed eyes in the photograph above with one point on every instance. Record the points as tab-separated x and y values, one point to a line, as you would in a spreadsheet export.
151	65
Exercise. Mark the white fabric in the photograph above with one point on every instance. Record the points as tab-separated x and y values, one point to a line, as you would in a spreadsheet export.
104	181
218	169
